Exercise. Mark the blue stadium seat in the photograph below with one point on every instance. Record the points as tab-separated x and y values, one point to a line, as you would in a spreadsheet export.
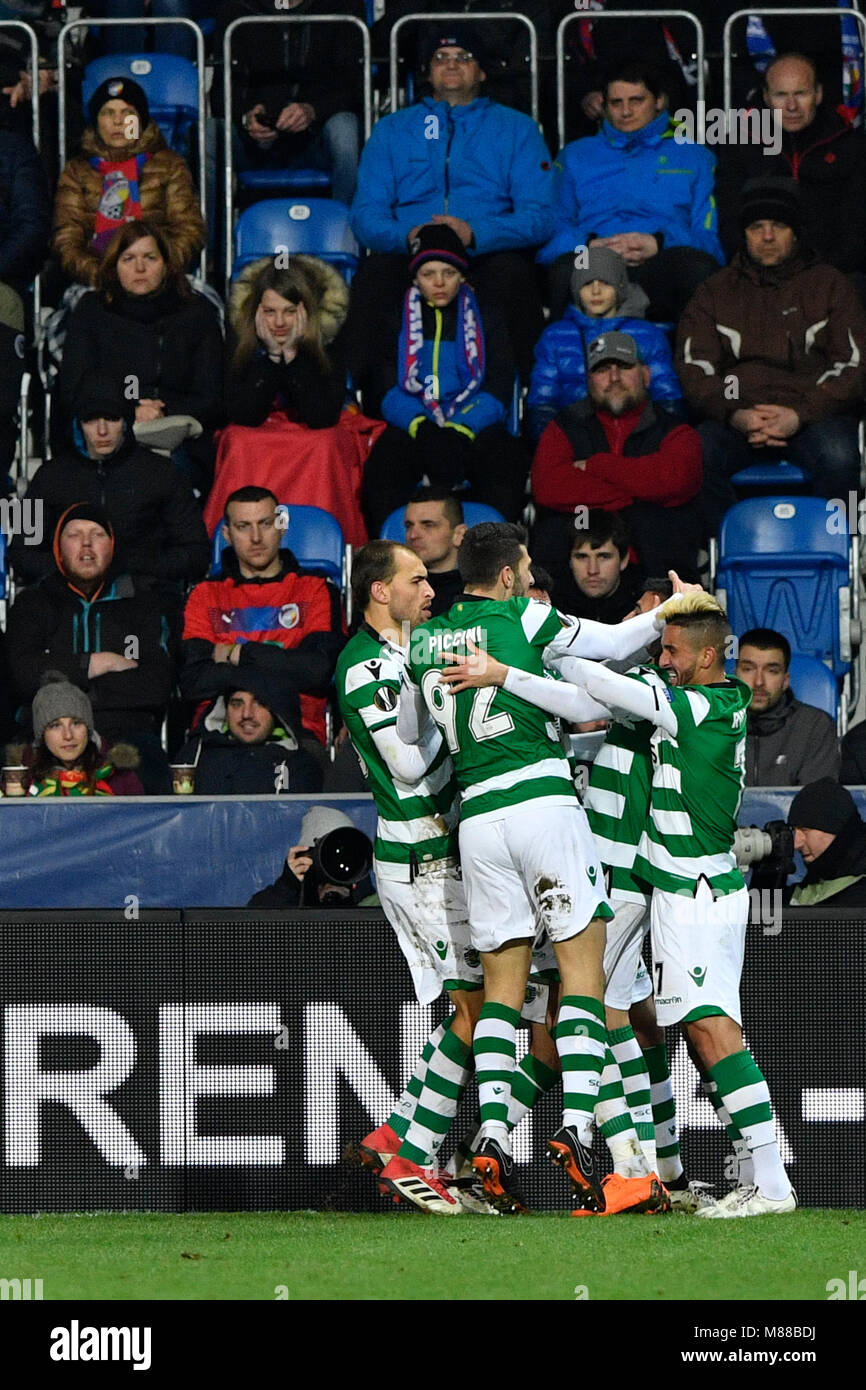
169	83
291	180
313	227
473	513
782	566
780	476
311	533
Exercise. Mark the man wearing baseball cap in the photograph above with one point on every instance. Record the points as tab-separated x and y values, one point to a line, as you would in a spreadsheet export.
771	352
620	451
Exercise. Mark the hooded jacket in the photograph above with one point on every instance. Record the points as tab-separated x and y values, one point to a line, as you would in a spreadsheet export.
828	161
300	387
157	523
291	626
483	162
168	198
792	335
641	181
53	625
790	745
171	344
226	766
559	373
645	457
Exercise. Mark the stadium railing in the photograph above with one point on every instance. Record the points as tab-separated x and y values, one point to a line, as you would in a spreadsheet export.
475	16
603	16
228	154
830	12
63	44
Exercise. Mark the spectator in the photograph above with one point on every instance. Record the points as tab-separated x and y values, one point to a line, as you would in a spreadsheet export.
285	393
831	837
67	757
156	524
434	528
104	631
296	90
599	581
25	226
262	613
167	339
451	379
462	160
821	150
126	173
620	189
787	744
619	451
245	747
302	884
604	301
771	353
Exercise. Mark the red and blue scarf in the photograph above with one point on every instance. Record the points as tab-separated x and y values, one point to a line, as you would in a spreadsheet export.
120	200
470	353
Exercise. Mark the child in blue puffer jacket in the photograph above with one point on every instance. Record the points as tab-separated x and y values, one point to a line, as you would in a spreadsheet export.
605	301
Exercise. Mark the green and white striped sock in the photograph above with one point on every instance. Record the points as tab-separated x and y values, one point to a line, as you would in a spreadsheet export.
494	1045
664	1110
613	1118
401	1115
636	1084
532	1079
747	1098
581	1041
448	1071
745	1166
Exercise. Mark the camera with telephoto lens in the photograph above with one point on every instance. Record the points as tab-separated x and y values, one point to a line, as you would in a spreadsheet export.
772	848
343	858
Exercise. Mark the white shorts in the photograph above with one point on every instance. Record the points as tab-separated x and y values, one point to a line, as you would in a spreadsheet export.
535	870
626	978
430	919
698	947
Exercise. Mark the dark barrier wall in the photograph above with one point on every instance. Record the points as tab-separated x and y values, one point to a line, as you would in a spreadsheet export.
217	1061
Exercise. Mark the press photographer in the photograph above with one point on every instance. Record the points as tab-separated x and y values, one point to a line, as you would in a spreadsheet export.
826	829
329	868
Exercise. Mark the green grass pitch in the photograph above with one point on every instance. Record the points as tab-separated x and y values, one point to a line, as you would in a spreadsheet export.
306	1255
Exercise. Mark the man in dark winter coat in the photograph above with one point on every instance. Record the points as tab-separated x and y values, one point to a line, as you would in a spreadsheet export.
245	747
788	743
263	613
771	353
25	227
831	837
154	516
820	150
104	630
619	451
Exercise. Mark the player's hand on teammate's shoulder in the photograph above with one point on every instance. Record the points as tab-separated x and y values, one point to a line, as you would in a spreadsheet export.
478	668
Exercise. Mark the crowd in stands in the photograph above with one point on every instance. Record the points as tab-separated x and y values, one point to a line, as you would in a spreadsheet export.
664	312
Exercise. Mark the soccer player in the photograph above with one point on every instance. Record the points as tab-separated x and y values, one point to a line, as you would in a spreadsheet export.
699	908
529	861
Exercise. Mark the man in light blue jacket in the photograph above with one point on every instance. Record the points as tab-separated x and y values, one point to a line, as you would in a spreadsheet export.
459	159
641	190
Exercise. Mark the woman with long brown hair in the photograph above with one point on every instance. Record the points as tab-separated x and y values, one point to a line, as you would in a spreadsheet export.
67	758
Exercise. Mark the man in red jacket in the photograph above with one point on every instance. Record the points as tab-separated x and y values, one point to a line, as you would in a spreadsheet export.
620	451
263	614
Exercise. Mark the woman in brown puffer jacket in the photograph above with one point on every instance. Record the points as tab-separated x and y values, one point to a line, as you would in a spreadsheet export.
126	171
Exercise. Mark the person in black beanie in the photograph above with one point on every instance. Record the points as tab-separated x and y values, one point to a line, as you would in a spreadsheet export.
831	836
447	402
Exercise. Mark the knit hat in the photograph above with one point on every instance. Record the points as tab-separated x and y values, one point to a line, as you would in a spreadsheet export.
81	511
771	199
119	89
437	242
601	264
101	396
58	698
822	805
464	36
320	821
613	347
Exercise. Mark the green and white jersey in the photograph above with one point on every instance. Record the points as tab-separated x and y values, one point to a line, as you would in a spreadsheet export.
505	751
417	822
697	785
617	799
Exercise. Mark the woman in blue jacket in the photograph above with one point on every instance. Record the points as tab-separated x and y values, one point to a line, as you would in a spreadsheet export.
604	302
446	403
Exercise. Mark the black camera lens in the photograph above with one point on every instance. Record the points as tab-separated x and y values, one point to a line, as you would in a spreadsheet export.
343	856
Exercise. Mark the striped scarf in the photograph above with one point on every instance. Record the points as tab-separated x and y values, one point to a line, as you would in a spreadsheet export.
73	782
470	353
